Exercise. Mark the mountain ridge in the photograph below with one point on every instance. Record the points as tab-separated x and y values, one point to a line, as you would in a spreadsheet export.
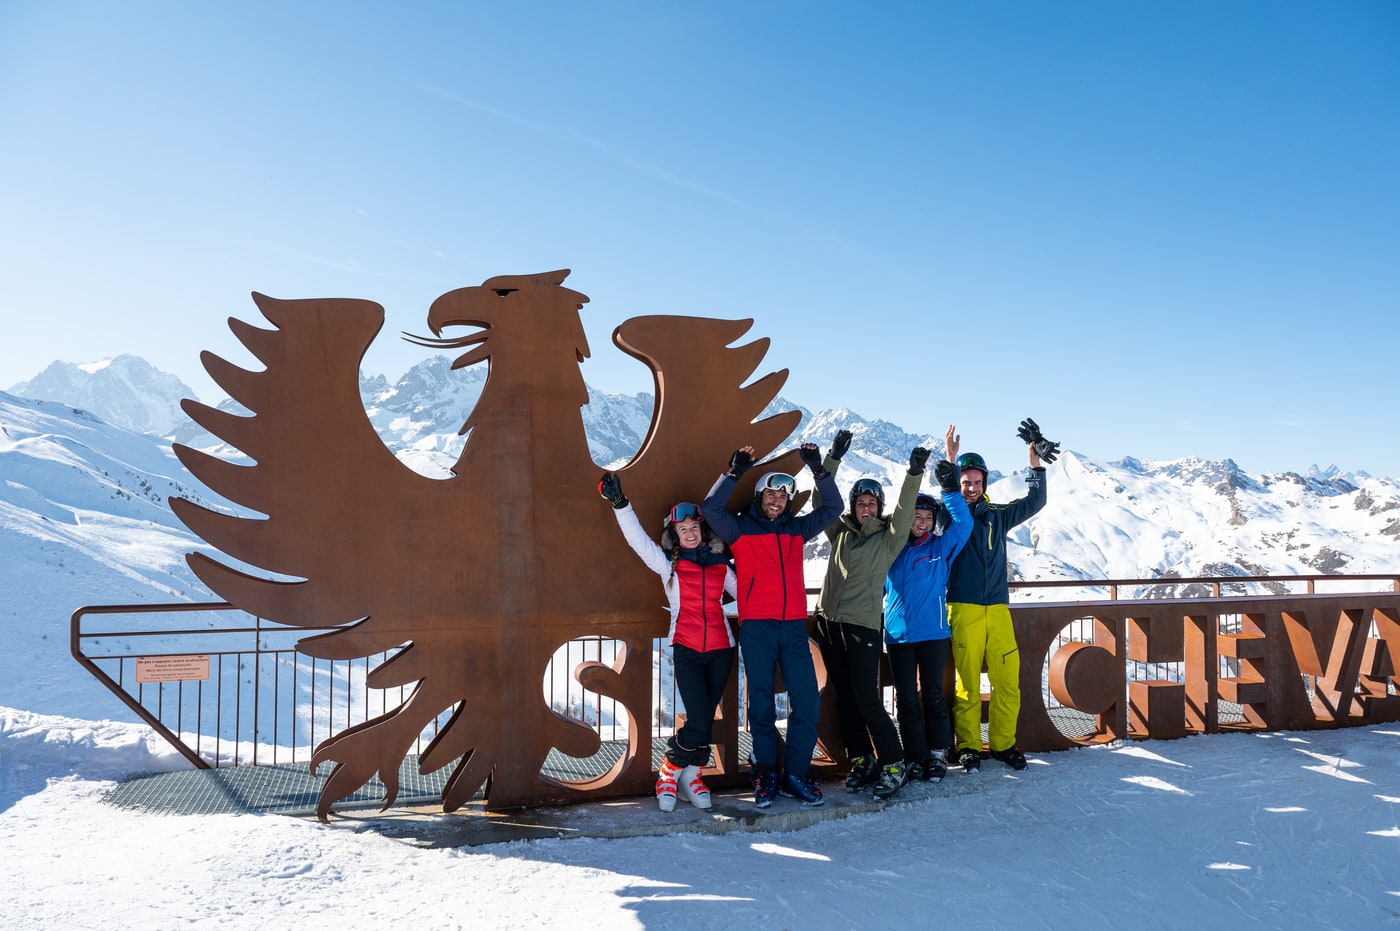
1129	518
84	518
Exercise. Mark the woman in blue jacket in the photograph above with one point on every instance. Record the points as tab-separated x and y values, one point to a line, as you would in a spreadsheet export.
917	636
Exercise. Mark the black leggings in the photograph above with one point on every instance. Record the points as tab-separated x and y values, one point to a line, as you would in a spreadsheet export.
700	678
923	711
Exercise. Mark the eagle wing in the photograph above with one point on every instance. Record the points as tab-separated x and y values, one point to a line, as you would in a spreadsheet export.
321	474
704	410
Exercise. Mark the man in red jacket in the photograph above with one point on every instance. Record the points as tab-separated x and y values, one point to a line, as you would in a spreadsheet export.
767	541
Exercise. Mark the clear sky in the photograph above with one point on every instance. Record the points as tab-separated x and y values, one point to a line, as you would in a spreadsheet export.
1162	229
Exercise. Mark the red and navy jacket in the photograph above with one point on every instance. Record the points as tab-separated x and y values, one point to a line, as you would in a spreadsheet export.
768	553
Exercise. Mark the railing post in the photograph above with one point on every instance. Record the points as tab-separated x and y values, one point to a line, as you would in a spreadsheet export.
257	682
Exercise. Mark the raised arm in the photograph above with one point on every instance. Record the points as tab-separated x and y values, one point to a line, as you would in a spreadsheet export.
903	517
713	507
839	445
809	525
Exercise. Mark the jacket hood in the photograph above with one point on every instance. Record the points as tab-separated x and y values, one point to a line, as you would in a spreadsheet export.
875	523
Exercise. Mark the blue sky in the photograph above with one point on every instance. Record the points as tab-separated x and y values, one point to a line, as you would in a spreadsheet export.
1162	230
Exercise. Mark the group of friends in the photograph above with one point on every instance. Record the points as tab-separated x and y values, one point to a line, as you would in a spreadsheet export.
926	579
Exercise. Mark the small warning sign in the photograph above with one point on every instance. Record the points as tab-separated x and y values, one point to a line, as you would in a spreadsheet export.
188	668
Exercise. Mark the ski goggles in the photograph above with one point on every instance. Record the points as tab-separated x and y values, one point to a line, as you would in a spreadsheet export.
684	511
778	481
867	486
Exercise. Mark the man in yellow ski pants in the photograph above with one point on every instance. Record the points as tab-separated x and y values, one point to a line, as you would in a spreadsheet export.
978	611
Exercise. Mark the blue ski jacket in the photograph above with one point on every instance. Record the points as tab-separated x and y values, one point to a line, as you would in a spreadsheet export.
915	608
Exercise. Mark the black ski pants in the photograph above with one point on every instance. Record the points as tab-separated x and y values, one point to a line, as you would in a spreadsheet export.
920	702
852	657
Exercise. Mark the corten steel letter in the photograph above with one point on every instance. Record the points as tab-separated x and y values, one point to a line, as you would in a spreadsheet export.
1249	687
480	577
1199	632
1085	676
1380	663
1089	677
1156	707
1335	672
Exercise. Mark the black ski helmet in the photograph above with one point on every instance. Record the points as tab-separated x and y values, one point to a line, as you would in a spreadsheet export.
867	486
974	461
941	517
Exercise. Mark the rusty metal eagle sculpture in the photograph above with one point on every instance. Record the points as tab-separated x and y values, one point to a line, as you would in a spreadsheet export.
474	581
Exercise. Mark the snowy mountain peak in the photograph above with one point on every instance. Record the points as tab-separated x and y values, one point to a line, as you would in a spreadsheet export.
126	391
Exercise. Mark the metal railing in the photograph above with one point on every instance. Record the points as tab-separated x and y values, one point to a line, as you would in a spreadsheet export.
227	694
260	701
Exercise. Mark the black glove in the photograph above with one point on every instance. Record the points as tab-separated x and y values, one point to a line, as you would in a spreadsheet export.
1047	450
610	487
948	475
840	444
918	458
1030	434
739	463
811	456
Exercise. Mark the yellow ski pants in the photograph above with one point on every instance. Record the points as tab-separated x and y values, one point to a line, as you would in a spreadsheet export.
983	633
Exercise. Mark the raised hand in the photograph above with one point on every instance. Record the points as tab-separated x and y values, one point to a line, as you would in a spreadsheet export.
610	487
840	444
952	442
918	458
1047	450
811	456
1029	432
947	475
740	462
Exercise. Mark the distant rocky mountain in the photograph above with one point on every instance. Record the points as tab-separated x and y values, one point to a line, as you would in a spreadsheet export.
127	392
420	414
1126	519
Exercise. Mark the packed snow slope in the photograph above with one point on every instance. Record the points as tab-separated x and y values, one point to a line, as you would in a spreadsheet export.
1229	831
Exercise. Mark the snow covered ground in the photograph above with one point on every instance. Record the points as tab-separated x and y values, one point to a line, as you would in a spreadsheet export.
1222	831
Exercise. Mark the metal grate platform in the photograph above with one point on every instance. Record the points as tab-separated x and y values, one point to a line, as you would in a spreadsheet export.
291	788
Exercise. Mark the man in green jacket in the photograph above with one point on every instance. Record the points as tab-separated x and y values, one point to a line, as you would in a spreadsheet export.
850	611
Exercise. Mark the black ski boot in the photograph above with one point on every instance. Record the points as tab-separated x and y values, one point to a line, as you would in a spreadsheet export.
864	772
892	779
970	759
1012	757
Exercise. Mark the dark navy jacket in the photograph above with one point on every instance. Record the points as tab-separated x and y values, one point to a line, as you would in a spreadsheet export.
978	575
